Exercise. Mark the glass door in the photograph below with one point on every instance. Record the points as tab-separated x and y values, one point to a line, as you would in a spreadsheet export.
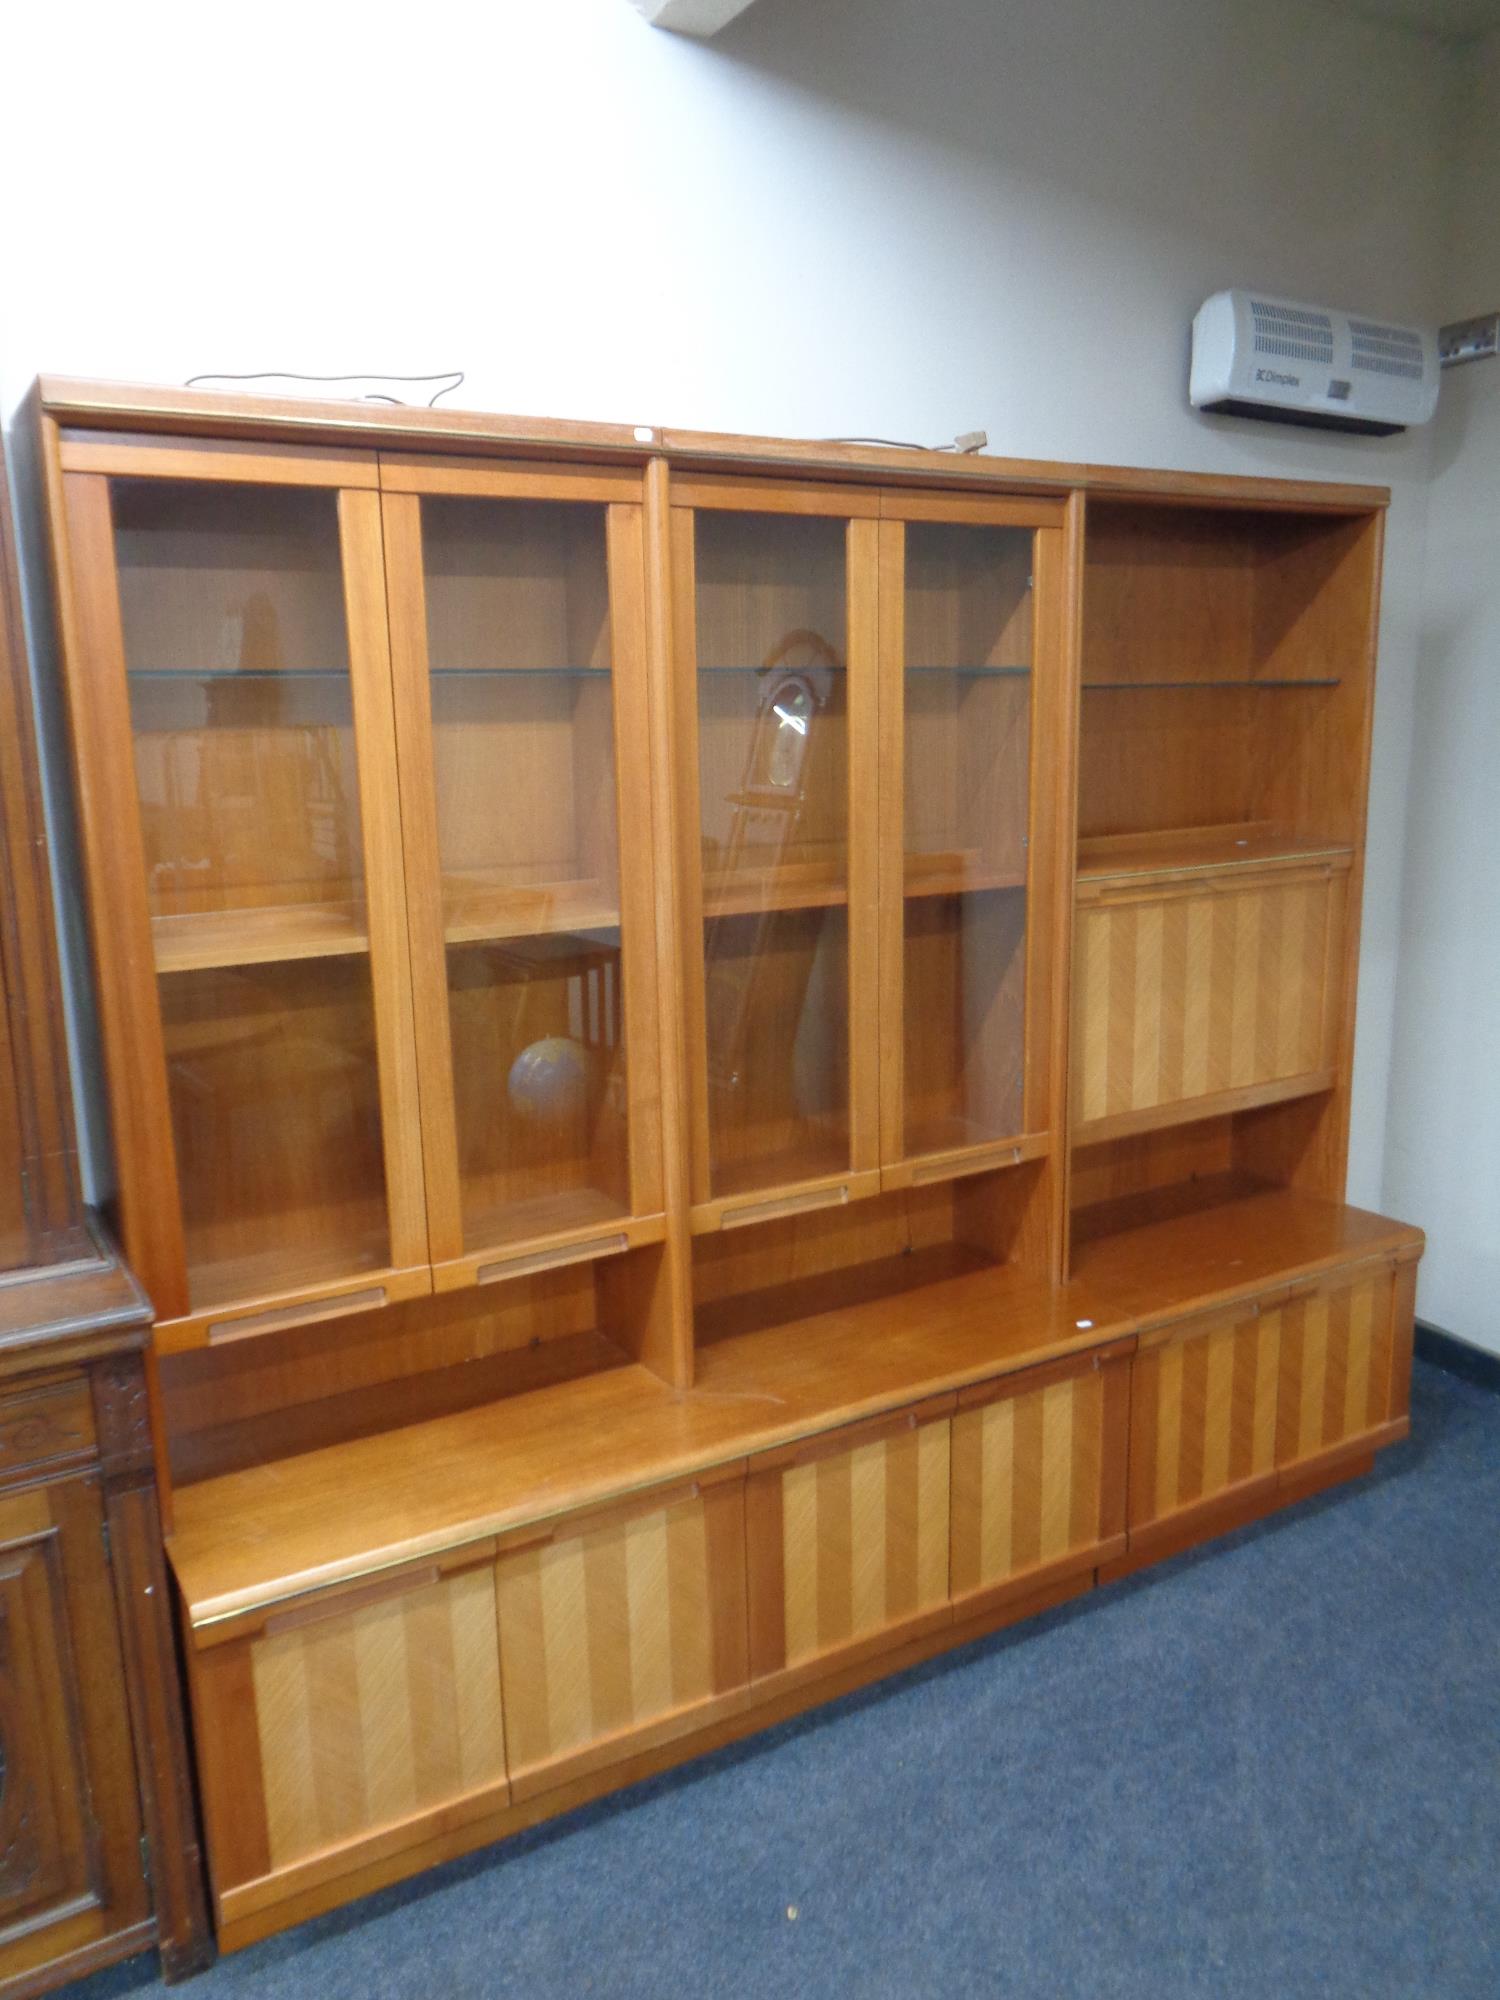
775	649
234	653
960	639
520	665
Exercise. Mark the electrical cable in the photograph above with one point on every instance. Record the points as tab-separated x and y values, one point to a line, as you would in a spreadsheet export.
966	443
452	378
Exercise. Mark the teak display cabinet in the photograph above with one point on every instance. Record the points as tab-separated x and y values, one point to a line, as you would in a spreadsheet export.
730	1064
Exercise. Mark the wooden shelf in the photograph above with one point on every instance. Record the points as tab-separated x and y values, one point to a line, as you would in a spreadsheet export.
1158	1255
366	1412
268	1532
959	874
813	886
797	885
478	912
541	1217
1203	850
267	935
774	1366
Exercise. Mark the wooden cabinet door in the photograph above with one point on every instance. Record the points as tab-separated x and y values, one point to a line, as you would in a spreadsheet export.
774	646
519	647
1231	1403
1039	1465
972	704
848	1541
374	1707
229	676
1195	994
622	1629
71	1870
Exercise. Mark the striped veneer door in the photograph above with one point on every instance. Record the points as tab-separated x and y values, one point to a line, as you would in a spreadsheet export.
373	1714
1225	1402
1218	989
628	1622
1039	1475
848	1538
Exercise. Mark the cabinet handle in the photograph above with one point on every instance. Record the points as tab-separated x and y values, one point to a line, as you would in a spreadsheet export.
552	1260
787	1204
221	1330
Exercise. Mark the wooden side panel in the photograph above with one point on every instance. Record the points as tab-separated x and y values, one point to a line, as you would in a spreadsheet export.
368	1716
1195	993
621	1628
1038	1480
848	1546
1233	1402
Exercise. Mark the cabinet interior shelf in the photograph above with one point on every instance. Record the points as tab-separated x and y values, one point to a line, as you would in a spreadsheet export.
192	675
475	912
748	891
1243	684
1195	850
822	666
198	940
973	673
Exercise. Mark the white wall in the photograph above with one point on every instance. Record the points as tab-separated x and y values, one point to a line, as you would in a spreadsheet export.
1443	1162
901	217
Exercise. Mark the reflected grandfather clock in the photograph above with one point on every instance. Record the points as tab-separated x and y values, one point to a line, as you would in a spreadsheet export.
99	1851
769	825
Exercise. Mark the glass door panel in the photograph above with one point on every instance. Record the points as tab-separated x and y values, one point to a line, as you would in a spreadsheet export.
241	705
967	742
523	732
773	787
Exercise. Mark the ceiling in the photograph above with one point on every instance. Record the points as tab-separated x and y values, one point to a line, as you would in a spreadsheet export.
1451	18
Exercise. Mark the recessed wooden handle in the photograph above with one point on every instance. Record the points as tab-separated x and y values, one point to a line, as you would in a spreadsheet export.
552	1260
221	1330
952	1170
787	1204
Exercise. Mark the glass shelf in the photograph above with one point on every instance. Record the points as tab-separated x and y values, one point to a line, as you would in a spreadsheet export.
962	673
1135	687
821	667
341	673
976	673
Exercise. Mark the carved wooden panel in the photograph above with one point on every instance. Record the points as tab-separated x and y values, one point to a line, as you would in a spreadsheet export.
1239	1396
70	1861
367	1713
46	1426
620	1626
1187	991
848	1539
1039	1475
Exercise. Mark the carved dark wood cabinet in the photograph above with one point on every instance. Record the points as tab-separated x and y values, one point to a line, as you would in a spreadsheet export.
98	1843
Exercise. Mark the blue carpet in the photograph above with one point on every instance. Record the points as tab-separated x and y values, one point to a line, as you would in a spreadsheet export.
1270	1768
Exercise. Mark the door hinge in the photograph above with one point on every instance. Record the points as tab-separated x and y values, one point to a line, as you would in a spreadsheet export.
146	1855
109	1553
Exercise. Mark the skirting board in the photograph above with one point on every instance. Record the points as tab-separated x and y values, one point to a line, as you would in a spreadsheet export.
1458	1357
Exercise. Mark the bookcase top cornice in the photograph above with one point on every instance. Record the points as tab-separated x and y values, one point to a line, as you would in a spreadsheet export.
168	411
